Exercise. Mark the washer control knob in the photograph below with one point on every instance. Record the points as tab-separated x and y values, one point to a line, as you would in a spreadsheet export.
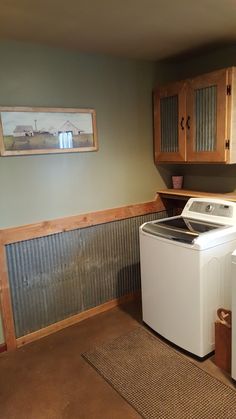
209	208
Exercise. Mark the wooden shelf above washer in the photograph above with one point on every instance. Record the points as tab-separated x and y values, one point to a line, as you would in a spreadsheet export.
184	194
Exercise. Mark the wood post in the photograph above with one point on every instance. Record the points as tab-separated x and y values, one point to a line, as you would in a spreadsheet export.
5	300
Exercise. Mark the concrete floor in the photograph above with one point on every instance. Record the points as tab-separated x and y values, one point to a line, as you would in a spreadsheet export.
49	379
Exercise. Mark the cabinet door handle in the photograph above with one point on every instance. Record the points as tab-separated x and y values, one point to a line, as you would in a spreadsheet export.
188	122
182	123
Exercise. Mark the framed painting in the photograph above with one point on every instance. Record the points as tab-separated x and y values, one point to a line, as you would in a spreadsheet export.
47	130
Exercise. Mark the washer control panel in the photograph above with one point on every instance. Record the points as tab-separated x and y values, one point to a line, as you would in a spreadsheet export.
213	208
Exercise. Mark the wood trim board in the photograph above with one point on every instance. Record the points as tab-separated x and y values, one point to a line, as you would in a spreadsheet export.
5	303
60	225
46	228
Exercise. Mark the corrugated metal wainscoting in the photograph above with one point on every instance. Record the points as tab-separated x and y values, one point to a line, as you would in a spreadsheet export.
57	276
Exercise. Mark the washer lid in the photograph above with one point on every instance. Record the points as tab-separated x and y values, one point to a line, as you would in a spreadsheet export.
180	228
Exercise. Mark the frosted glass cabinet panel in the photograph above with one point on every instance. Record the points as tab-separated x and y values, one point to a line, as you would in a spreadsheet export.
169	124
205	116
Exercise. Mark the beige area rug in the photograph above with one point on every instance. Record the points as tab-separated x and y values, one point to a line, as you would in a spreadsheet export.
158	381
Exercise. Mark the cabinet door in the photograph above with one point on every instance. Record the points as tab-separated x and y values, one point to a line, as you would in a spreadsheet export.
206	117
170	122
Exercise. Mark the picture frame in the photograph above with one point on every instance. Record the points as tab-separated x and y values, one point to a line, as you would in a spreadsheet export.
39	130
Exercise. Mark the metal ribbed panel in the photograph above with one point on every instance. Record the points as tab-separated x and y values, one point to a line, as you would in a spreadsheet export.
169	124
205	117
54	277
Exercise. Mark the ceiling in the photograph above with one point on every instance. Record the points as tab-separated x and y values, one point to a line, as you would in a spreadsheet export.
143	29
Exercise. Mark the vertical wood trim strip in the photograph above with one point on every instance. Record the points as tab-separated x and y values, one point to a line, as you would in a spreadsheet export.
5	301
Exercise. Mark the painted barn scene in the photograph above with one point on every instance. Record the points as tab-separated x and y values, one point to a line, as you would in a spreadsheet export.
47	130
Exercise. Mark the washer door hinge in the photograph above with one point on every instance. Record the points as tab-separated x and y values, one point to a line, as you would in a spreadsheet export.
227	144
228	90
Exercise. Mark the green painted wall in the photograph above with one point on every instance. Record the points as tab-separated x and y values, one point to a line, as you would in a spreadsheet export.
212	178
35	188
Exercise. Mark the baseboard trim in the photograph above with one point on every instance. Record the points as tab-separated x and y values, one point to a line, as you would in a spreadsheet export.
70	321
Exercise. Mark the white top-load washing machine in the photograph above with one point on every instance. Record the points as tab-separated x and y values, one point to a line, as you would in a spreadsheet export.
186	272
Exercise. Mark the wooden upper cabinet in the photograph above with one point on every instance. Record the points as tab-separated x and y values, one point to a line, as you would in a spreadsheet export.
169	122
193	119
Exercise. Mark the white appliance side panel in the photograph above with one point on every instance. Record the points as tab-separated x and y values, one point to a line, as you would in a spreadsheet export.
215	288
182	289
232	158
233	363
171	291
